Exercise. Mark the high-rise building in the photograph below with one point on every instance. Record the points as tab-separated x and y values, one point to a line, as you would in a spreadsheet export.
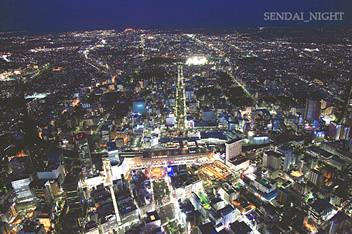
113	153
84	152
189	94
272	160
282	195
22	190
316	177
41	188
320	210
233	149
288	156
334	130
345	132
340	223
312	111
55	172
72	187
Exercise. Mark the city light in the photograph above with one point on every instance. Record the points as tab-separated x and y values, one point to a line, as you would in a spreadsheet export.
172	130
197	60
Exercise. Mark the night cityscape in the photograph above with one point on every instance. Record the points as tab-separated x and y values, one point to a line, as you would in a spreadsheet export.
183	130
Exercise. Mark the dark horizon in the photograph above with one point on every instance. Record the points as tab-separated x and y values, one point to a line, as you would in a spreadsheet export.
62	16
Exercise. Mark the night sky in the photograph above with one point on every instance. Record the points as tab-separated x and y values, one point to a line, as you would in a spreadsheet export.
68	15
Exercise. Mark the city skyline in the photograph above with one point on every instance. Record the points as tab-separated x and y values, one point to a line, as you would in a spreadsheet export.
175	117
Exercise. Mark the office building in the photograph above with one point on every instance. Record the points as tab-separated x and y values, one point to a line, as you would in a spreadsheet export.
22	190
233	149
288	157
152	222
316	177
312	111
84	152
72	187
321	210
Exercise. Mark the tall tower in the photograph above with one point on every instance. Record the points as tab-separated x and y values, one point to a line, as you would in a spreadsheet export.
180	100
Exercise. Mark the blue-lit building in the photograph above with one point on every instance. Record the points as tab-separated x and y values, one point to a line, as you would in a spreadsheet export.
276	124
139	107
113	153
189	94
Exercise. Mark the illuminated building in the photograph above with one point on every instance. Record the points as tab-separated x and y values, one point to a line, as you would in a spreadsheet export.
319	153
33	227
258	139
282	195
189	94
334	130
306	164
117	133
177	156
240	228
312	111
45	219
223	217
213	138
320	210
139	107
239	163
84	152
184	190
72	187
233	149
288	157
338	131
319	136
105	132
170	120
345	132
272	162
340	223
294	175
152	222
316	177
113	153
264	187
42	190
189	123
228	192
8	212
22	190
275	124
57	172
